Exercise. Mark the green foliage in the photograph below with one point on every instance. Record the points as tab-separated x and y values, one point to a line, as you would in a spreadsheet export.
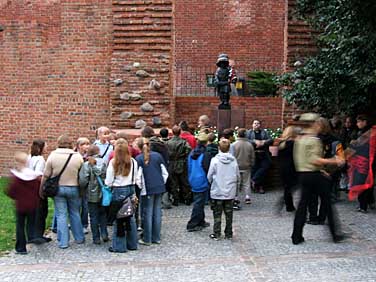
341	78
262	83
274	133
7	219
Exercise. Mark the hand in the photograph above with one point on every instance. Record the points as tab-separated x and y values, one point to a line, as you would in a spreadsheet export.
135	200
41	194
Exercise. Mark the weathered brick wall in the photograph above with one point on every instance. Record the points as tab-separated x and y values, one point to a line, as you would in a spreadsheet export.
267	109
301	41
251	31
140	65
59	61
55	66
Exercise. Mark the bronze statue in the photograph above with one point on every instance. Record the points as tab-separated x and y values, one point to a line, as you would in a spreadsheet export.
223	78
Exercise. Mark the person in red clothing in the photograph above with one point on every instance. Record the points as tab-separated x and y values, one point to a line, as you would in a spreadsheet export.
132	150
187	135
24	189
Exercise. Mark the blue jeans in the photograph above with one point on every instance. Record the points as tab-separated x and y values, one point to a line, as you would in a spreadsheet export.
198	210
151	215
98	221
84	212
128	242
68	202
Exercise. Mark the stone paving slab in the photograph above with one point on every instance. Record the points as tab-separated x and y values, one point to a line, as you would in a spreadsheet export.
260	251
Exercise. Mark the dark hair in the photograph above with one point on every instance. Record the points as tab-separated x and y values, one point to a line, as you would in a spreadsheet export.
211	137
37	147
242	132
147	132
362	117
184	125
163	132
93	150
176	130
228	133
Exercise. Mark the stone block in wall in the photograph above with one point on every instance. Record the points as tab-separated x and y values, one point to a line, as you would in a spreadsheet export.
147	107
140	123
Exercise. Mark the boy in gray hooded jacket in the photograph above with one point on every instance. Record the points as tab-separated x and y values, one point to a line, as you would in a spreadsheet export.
224	177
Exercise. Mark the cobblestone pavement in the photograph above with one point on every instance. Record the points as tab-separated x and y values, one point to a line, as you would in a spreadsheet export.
260	251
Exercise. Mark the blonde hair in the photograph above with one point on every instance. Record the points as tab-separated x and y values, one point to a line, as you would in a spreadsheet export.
122	158
290	132
144	145
20	160
82	141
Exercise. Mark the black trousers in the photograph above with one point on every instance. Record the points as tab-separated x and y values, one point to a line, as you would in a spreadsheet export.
314	183
41	216
24	220
366	198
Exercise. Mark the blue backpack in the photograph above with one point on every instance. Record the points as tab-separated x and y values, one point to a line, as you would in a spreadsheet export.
196	174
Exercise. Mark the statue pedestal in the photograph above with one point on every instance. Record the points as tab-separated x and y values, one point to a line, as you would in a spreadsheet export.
230	118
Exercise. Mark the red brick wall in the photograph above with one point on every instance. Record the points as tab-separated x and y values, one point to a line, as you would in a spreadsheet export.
249	31
142	42
267	109
55	66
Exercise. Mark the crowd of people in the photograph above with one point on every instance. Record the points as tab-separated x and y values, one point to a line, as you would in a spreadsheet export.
157	172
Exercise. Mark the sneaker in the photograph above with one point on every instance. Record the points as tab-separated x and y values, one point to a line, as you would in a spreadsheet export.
228	237
157	242
361	210
248	201
236	207
97	242
142	242
214	237
105	239
196	228
86	231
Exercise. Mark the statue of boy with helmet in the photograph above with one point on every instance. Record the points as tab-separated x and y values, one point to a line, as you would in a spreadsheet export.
222	80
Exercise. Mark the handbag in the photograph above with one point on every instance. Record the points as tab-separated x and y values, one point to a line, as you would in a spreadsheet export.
51	185
106	192
128	207
126	210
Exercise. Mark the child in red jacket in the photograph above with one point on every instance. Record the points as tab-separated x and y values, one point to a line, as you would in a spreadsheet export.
24	189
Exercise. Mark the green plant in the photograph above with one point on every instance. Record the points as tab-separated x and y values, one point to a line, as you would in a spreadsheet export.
341	77
274	133
261	83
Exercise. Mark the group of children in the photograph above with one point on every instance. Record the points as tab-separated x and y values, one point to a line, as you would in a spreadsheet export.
118	165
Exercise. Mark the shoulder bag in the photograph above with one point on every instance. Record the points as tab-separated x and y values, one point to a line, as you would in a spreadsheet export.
51	185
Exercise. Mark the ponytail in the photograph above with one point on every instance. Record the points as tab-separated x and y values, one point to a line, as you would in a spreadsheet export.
146	150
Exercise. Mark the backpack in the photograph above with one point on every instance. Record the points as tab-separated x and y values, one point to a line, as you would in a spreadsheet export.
196	174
